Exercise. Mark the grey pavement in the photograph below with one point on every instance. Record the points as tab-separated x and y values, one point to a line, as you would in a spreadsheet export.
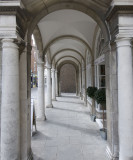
68	133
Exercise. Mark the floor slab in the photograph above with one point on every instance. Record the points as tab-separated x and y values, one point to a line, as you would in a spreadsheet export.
68	133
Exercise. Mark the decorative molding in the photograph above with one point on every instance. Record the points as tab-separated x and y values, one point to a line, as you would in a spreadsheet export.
128	9
10	3
21	20
113	18
100	59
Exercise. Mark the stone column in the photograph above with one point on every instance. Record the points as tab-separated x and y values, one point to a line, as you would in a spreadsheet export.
10	111
92	74
125	98
112	102
77	89
80	82
29	152
23	105
59	85
49	88
0	82
53	85
40	106
56	83
84	85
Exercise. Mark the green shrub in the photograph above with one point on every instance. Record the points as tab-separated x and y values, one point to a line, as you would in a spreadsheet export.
100	97
91	91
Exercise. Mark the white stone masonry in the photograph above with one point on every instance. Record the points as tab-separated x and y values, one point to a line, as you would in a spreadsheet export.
10	109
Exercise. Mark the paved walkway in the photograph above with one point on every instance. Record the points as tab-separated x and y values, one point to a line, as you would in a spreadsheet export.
68	133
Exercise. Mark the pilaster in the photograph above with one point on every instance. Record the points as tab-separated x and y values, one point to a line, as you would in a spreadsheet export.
29	48
112	149
23	104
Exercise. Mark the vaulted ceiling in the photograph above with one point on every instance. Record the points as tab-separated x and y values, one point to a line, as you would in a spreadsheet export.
67	28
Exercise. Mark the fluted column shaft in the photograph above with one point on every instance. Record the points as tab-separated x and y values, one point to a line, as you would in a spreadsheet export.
10	111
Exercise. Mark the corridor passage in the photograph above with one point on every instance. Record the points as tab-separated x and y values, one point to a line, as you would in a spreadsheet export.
68	133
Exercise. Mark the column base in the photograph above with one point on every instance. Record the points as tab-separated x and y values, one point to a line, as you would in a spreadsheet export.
41	118
110	156
30	156
49	106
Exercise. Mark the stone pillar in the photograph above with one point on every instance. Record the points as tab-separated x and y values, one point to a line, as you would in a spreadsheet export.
125	98
23	105
0	82
10	111
49	88
40	106
92	74
59	84
84	86
112	102
77	85
53	85
80	82
56	83
29	152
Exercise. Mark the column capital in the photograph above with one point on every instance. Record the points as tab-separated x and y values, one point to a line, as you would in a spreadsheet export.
40	64
122	42
48	67
9	43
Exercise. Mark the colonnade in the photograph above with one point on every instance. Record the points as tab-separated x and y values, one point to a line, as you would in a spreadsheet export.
15	90
52	88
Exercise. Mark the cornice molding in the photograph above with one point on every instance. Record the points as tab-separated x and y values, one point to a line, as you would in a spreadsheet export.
121	9
22	18
117	28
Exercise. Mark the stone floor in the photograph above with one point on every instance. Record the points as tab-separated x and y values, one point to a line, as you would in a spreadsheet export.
68	133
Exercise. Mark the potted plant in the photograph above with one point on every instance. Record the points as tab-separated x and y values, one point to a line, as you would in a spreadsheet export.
91	93
100	96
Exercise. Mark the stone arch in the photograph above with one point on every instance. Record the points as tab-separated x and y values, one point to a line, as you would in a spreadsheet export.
94	14
67	49
38	39
66	60
66	37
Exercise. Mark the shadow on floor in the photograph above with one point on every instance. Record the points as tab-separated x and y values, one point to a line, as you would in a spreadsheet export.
70	102
69	96
61	109
83	130
40	135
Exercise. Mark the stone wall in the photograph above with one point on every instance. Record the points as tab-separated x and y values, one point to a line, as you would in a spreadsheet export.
68	79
